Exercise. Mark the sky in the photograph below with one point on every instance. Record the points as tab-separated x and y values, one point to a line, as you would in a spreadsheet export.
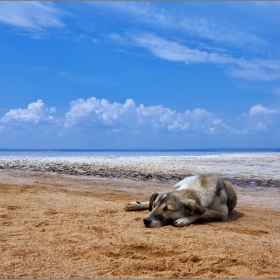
139	75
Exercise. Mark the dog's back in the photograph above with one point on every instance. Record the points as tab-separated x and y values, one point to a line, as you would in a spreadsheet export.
208	188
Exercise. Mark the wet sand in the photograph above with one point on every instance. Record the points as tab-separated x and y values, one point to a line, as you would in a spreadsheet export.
72	226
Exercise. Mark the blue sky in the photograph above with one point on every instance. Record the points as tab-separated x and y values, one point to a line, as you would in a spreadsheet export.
139	75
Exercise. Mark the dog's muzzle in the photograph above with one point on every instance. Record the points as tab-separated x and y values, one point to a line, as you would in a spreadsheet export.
147	222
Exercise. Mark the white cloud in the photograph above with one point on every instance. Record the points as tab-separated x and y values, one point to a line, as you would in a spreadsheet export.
101	113
258	120
218	31
217	121
35	113
257	69
199	26
30	15
176	52
141	11
115	37
259	109
243	131
254	69
128	117
261	126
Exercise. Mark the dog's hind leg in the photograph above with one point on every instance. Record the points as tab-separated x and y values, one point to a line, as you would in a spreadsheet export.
137	206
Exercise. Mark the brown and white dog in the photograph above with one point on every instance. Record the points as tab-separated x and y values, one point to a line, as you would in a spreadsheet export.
193	198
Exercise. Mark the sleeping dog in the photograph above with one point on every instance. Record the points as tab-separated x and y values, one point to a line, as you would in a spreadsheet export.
193	198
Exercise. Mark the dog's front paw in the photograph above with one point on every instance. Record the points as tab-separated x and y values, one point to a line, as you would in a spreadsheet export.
182	222
137	205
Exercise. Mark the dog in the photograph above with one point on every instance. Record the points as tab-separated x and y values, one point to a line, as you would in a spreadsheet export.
194	198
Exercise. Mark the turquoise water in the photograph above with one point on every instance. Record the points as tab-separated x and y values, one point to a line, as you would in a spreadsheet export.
128	153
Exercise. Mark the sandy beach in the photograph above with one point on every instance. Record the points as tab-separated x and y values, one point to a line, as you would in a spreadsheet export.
65	218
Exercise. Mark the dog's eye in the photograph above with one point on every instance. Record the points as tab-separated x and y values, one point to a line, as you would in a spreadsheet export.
166	209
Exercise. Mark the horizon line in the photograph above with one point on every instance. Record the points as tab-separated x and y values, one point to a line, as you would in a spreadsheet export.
136	149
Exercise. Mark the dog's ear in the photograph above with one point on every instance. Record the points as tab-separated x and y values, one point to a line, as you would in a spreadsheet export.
152	199
194	208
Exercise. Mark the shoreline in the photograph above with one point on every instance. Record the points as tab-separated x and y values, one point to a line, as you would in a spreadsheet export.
246	169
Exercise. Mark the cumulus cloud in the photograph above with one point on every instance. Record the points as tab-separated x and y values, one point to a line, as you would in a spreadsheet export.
261	126
115	37
259	109
236	131
95	112
30	15
94	115
36	112
251	69
259	119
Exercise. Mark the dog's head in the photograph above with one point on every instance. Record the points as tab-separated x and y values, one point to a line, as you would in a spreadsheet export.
167	207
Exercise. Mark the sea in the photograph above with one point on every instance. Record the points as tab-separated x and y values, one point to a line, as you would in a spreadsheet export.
129	152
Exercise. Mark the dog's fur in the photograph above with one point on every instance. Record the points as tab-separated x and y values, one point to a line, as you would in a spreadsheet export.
193	198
